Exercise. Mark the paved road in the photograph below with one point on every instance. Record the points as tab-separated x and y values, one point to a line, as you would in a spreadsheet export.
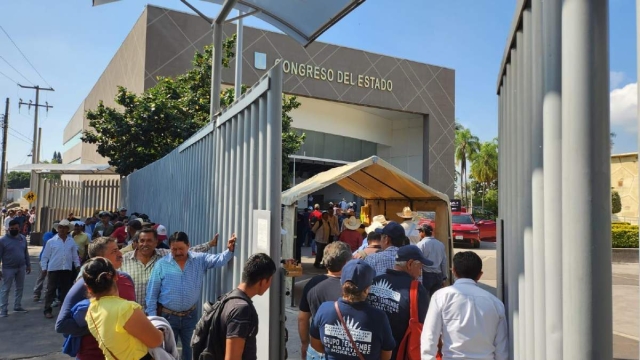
31	336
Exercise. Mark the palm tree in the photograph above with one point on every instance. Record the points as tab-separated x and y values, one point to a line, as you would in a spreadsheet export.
467	145
484	166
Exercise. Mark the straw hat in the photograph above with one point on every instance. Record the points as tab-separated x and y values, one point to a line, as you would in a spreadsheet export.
378	222
407	213
352	223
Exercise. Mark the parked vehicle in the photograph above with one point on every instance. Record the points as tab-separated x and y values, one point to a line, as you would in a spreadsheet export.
468	231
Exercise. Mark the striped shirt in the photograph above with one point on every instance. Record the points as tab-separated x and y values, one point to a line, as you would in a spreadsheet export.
383	260
179	289
140	272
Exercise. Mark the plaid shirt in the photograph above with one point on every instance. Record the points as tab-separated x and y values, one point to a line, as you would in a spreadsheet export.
140	273
383	260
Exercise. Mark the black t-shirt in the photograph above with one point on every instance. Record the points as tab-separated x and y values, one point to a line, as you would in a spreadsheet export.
239	319
390	293
304	303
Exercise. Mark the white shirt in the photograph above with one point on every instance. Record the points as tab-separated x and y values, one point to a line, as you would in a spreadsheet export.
60	255
411	231
7	220
434	250
471	321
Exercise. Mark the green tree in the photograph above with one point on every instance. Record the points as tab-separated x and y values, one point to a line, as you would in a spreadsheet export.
18	180
145	127
484	165
55	160
616	202
467	145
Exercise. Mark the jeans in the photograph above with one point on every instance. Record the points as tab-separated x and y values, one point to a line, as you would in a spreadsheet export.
41	284
183	327
313	245
312	354
9	275
431	281
59	281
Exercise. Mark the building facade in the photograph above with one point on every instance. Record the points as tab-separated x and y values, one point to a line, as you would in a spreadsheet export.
624	180
354	103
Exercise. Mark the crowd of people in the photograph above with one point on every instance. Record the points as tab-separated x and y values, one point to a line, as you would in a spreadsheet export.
133	293
385	295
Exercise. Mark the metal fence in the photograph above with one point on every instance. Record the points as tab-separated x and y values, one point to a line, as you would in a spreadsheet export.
214	182
554	252
58	198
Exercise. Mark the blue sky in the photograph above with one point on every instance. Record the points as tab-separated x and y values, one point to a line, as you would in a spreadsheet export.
70	43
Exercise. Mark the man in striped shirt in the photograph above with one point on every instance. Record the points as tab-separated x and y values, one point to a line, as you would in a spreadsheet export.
139	263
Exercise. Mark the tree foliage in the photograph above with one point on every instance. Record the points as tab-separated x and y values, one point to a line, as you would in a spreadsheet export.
484	166
467	145
18	180
616	202
148	126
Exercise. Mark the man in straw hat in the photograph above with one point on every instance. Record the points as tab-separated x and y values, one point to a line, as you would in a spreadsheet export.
350	235
410	224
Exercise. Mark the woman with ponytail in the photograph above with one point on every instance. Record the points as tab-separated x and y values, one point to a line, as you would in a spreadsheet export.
120	327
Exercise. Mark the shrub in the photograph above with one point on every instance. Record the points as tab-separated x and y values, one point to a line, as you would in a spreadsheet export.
624	226
616	202
624	238
620	223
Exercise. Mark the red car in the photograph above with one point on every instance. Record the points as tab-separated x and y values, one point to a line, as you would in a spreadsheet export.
469	232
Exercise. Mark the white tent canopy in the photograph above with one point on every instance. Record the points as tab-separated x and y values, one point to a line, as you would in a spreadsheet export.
371	178
67	169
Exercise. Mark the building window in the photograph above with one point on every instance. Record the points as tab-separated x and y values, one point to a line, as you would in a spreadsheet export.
260	61
73	141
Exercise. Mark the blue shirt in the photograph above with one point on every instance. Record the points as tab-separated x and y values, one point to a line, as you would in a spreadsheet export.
369	328
179	289
383	260
435	251
13	252
365	243
46	237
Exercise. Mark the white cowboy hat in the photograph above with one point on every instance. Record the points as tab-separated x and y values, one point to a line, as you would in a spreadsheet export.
378	222
407	213
352	223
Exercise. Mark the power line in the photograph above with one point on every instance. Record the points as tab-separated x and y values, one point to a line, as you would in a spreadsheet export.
19	133
24	56
7	76
21	139
16	70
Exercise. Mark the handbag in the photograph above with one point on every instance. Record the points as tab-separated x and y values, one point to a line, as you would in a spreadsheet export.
346	330
100	337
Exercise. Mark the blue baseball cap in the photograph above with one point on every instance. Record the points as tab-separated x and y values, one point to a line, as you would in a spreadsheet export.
359	273
392	230
412	252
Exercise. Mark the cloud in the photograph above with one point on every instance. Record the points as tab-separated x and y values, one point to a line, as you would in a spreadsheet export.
624	107
616	78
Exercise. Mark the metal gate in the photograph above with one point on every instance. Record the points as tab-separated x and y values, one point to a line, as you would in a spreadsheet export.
214	182
59	198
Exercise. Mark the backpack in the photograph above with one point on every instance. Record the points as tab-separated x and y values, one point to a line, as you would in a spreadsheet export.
205	343
410	345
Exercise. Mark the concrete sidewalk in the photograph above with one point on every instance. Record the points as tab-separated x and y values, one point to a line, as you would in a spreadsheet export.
32	336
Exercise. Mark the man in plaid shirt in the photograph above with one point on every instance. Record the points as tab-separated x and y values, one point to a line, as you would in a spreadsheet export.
140	263
393	237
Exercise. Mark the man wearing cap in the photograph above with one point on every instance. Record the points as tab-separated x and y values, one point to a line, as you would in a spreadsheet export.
14	257
433	276
59	259
41	282
104	227
369	327
471	321
390	292
392	237
122	214
321	288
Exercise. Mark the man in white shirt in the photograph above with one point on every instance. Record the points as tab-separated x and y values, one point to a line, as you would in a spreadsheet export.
475	326
7	220
410	224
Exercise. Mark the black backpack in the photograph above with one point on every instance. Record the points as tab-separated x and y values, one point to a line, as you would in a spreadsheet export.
205	342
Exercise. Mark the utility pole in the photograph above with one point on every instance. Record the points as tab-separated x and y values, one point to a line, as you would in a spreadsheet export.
3	176
35	152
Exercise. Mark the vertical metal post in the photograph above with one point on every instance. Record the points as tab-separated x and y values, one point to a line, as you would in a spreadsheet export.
239	61
3	176
37	180
216	71
537	184
526	190
587	302
513	225
638	92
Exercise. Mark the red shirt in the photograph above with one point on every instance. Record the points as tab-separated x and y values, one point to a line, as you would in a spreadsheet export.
120	234
352	238
316	214
89	349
